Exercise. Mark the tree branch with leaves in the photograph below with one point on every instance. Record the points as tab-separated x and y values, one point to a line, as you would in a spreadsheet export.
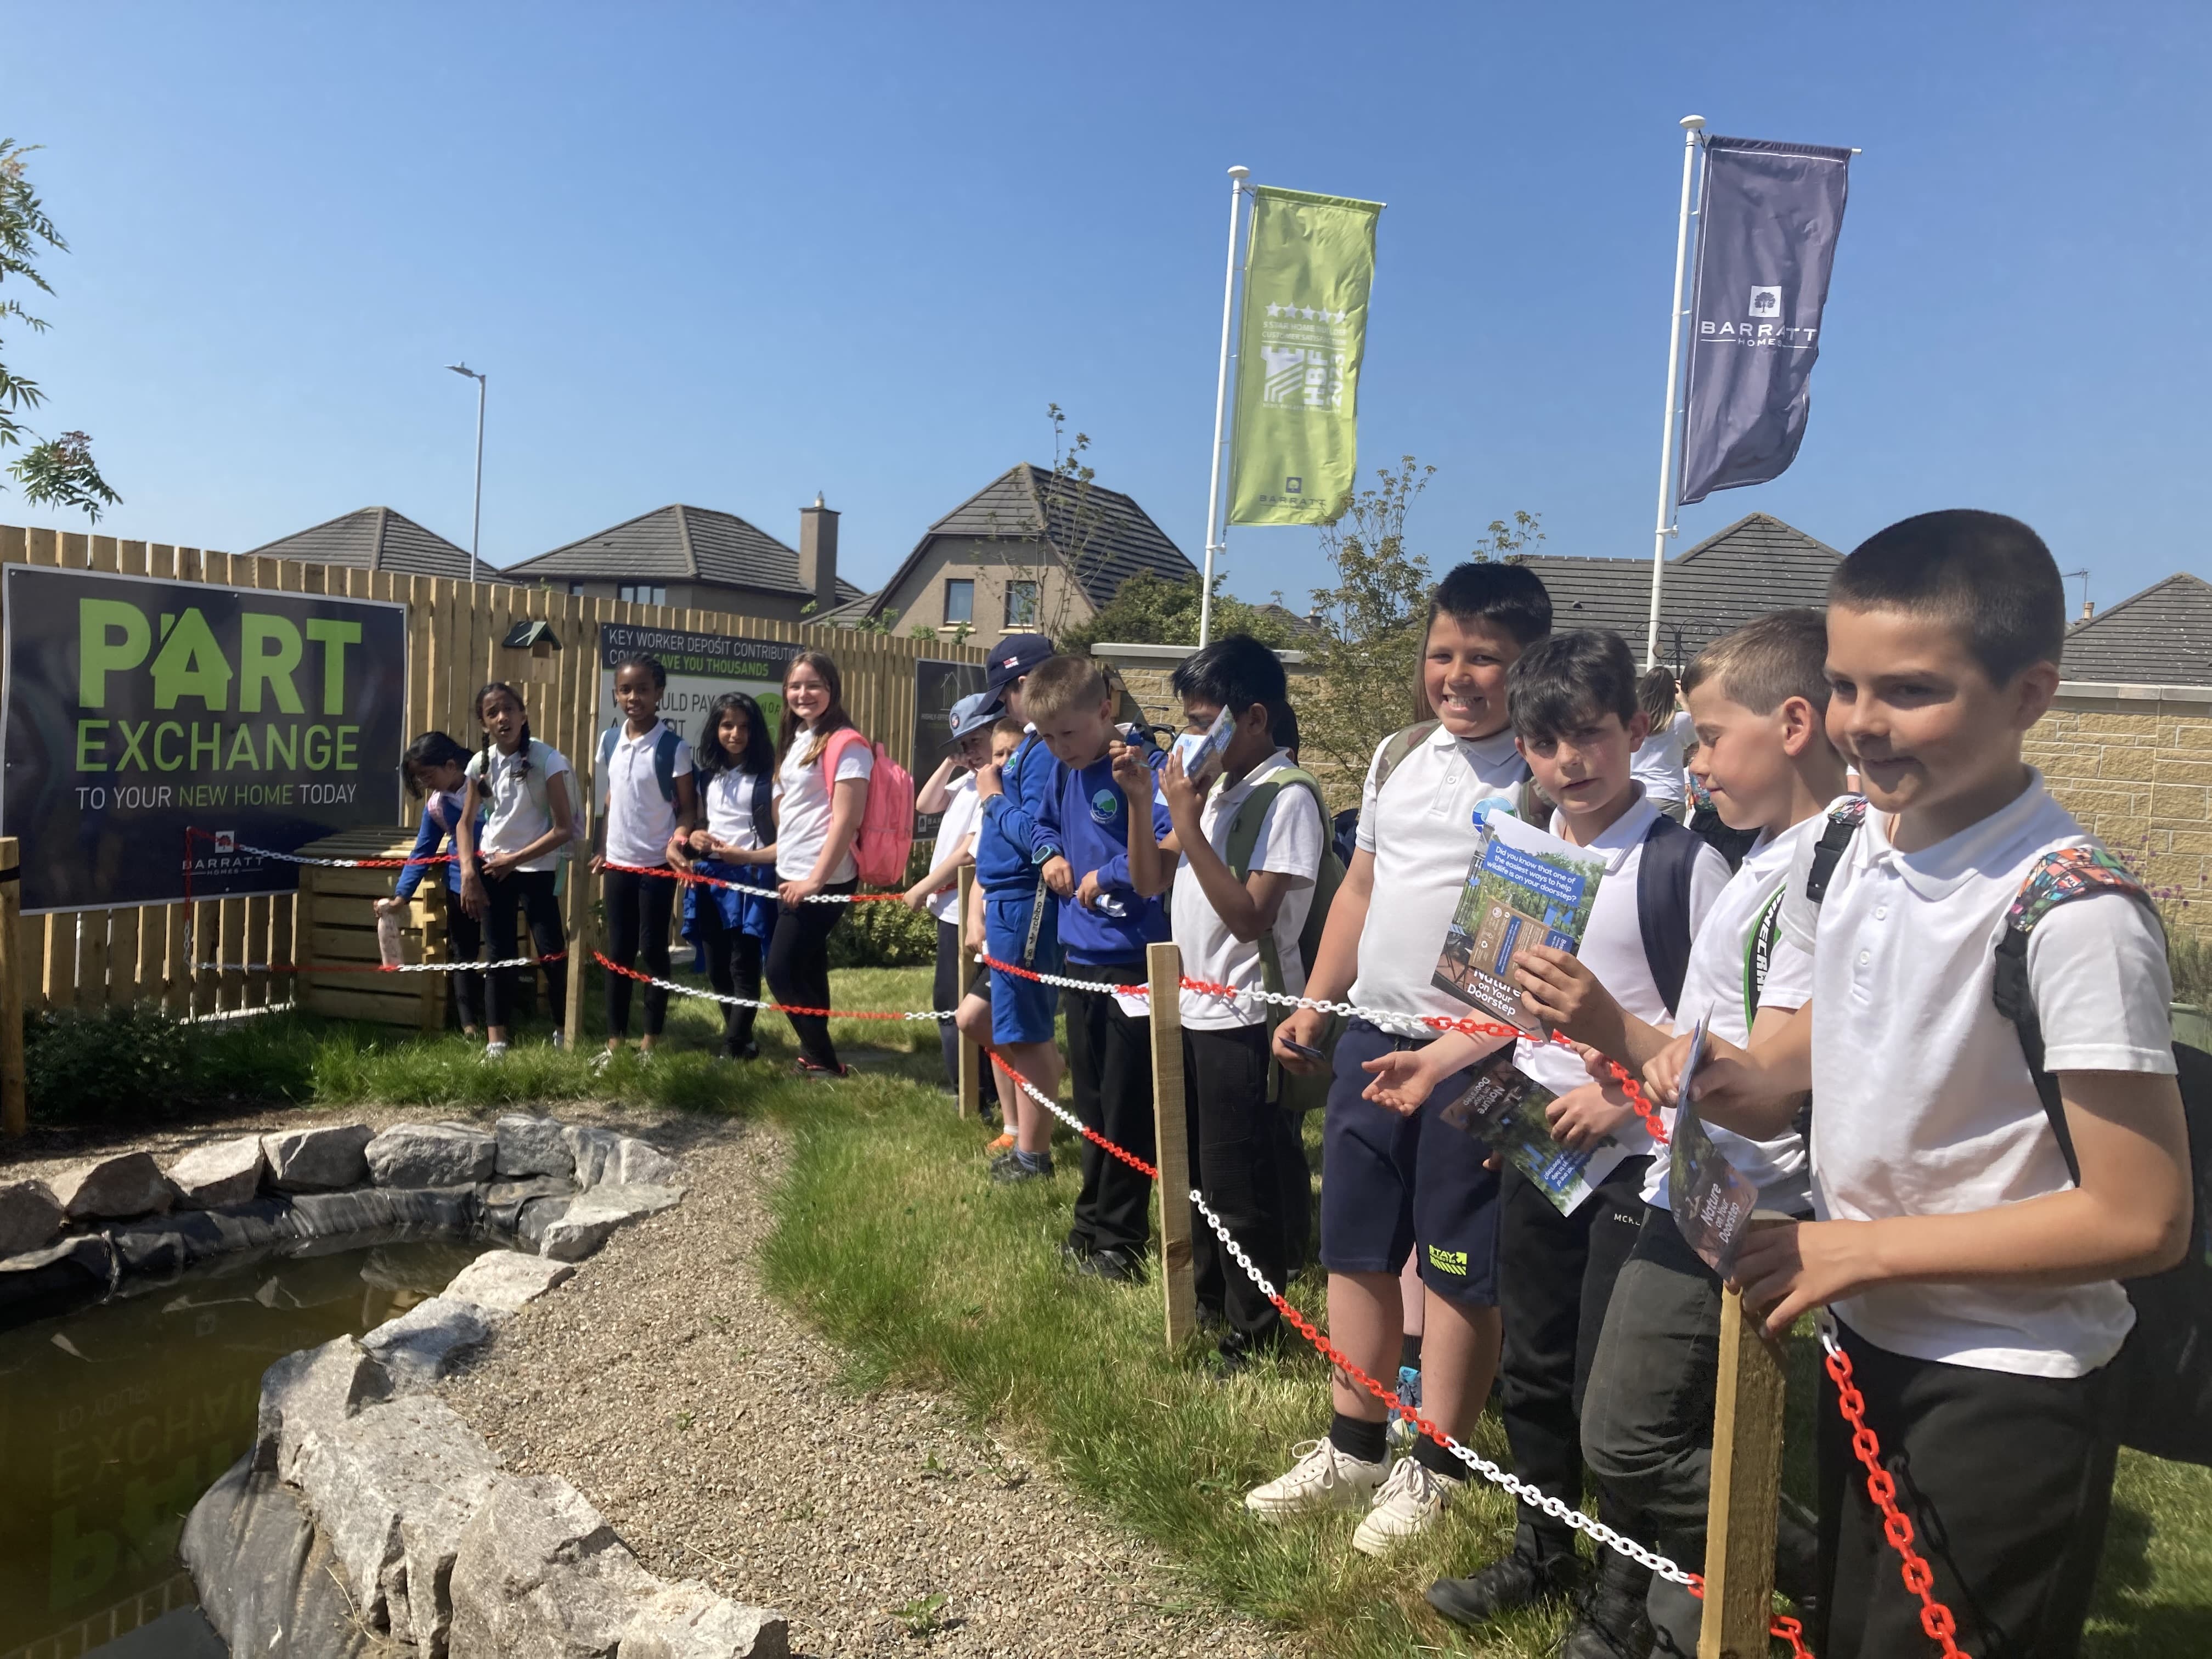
53	472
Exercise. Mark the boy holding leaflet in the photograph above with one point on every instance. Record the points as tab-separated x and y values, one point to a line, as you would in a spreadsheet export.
1389	1178
1971	1277
1574	708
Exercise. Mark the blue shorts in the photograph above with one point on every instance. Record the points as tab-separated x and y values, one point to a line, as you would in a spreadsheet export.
1021	1009
1387	1181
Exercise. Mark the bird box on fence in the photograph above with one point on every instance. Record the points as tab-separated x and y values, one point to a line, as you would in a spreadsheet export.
536	636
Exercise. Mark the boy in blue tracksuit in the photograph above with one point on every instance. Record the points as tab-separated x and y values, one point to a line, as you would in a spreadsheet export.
1099	785
1018	870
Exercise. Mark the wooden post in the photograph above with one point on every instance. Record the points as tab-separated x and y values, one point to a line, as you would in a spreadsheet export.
1171	1141
580	880
1747	1477
12	1122
969	1103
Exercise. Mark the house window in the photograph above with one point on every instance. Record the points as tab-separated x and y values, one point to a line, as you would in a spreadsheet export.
638	593
959	600
1021	605
575	590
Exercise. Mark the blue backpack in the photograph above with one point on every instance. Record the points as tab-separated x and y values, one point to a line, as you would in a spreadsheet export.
663	760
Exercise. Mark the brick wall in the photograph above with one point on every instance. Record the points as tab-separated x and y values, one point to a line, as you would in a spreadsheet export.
2137	772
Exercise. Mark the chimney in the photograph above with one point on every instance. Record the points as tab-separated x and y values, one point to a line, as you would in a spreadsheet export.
817	553
2088	609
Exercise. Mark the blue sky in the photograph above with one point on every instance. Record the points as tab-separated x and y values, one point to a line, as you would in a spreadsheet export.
732	255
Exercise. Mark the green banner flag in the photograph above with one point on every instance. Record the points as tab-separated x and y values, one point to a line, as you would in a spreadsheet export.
1311	264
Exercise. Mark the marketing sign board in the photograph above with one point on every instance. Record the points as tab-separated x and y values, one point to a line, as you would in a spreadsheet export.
700	668
137	710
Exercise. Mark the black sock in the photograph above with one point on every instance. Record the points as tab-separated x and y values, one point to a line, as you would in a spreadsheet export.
1409	1353
1435	1459
1355	1437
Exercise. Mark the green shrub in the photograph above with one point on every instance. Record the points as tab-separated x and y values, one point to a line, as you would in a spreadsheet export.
887	935
141	1063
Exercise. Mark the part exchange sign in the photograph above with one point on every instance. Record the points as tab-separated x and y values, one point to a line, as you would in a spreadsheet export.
138	708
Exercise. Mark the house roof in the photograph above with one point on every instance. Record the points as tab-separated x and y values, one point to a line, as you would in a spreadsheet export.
1756	565
1117	538
377	538
2161	636
678	544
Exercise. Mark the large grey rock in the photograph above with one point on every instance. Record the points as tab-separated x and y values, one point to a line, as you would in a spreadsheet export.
605	1158
312	1392
504	1200
109	1188
393	1489
30	1216
431	1338
503	1280
534	1216
268	1581
317	1160
595	1214
430	1155
61	1275
540	1576
532	1146
687	1620
228	1172
422	1209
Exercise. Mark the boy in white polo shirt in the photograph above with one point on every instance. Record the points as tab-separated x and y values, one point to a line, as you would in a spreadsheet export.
1388	1178
1972	1280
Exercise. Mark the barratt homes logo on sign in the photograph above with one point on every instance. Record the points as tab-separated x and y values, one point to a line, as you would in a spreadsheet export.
1766	302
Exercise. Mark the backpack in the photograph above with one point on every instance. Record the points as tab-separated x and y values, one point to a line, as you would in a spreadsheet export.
885	839
663	760
1295	1091
1531	806
2163	1372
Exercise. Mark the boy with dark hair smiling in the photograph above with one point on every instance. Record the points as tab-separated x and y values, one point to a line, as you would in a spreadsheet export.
1971	1275
1575	712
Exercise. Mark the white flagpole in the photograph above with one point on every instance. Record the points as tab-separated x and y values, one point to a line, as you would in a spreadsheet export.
1692	126
1217	533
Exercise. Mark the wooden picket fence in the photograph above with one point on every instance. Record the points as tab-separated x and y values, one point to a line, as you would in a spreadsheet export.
93	959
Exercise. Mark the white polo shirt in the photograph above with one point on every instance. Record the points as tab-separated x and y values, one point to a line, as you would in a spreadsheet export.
1722	975
1922	1100
1612	950
802	807
1291	839
1421	828
962	812
731	797
640	819
1658	763
516	810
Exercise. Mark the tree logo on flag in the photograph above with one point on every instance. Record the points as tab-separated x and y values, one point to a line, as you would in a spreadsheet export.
1766	302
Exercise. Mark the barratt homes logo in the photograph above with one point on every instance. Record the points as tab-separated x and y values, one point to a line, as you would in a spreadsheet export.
1766	302
1765	305
1294	485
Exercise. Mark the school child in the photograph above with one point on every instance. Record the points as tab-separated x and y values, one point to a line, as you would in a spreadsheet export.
1098	787
648	806
950	793
1661	756
822	795
1253	837
436	766
1386	1178
1573	699
518	788
974	1013
736	773
1970	1265
1018	870
1758	697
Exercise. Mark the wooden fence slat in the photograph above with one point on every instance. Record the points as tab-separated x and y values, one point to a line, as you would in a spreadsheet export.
61	959
123	956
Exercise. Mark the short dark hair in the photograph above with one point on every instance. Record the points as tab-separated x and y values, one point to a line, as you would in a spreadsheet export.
654	670
1767	661
1284	728
431	749
1235	672
1569	679
1988	576
1484	590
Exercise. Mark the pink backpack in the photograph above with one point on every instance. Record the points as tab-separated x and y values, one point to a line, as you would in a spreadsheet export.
885	840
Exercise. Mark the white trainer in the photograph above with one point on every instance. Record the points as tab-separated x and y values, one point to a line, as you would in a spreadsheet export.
1408	1504
1323	1478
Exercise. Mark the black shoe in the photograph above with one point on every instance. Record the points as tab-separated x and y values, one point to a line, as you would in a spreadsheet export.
1511	1581
1073	1256
1008	1170
1610	1621
1121	1266
816	1071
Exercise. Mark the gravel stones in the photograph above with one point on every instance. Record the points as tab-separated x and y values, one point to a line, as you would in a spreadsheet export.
532	1146
30	1216
228	1172
430	1339
503	1280
430	1155
317	1160
594	1215
540	1575
109	1188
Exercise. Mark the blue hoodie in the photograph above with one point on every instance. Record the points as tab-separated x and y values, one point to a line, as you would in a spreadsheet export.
1087	816
1009	847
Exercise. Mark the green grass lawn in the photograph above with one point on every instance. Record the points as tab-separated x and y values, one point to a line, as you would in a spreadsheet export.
891	1238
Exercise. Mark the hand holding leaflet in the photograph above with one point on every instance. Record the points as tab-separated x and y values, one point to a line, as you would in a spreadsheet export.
1201	752
1525	888
1713	1200
1506	1107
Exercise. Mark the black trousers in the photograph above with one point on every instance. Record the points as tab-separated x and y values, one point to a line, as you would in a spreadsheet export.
1236	1160
1555	1275
1110	1058
2008	1480
1297	1201
733	968
465	943
944	986
530	892
798	970
638	909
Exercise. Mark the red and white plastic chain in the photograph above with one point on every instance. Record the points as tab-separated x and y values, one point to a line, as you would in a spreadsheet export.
692	878
772	1007
373	967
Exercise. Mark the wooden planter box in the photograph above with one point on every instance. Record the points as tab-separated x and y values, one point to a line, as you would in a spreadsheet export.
337	925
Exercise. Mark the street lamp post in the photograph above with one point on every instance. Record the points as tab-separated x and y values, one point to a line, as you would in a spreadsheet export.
476	517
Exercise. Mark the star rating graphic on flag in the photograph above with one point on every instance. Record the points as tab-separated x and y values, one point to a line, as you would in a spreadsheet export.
1308	314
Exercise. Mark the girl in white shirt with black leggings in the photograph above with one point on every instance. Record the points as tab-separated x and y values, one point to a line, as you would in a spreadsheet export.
822	791
737	846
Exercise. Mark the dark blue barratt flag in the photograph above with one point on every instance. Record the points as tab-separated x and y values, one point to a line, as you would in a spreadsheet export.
1767	241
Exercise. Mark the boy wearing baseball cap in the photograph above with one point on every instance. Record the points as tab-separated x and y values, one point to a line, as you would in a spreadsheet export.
950	793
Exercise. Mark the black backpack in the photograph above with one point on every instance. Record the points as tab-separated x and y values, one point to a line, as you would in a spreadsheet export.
2163	1373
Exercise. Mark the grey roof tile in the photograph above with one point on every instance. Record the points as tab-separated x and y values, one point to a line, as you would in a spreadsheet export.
2161	636
678	544
377	538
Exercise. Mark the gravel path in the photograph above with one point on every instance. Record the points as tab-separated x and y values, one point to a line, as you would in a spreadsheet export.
707	1424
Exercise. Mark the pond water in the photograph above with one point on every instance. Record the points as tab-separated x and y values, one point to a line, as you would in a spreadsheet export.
115	1418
